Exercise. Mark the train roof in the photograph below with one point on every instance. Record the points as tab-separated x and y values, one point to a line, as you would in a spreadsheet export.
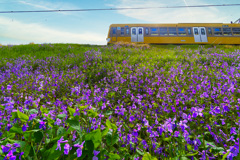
175	24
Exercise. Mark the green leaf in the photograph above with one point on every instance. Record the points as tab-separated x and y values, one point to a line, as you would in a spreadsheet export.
131	125
38	136
61	131
24	147
95	136
33	130
115	138
189	147
182	90
218	149
113	156
147	156
33	111
108	113
50	121
111	125
111	138
71	111
52	153
176	79
108	124
192	154
1	106
14	115
90	147
225	155
105	131
183	158
140	152
83	107
61	116
15	129
43	110
74	124
23	117
167	139
92	113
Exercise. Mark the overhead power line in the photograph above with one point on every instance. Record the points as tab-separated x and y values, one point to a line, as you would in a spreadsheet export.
112	9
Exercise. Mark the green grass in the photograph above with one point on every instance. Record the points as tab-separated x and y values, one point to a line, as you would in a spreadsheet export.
68	77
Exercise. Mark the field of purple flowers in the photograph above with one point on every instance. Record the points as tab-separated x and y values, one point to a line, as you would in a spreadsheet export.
121	102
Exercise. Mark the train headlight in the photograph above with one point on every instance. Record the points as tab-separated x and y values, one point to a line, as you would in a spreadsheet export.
108	39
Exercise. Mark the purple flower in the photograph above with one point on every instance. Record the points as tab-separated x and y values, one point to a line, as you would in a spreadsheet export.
176	133
231	139
233	130
21	155
24	127
145	121
223	122
6	148
144	143
16	145
79	150
66	148
42	125
58	122
9	87
131	118
61	140
234	150
10	156
95	155
32	116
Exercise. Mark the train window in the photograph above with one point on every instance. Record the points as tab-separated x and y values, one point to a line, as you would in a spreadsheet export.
127	31
163	31
236	31
140	31
134	32
122	31
182	32
172	31
189	31
217	31
154	31
114	30
209	31
227	31
147	31
203	31
195	31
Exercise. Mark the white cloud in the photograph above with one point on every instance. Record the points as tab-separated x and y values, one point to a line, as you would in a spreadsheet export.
46	5
37	33
35	5
173	15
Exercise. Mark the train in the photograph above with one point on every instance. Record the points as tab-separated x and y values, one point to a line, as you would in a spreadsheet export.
179	33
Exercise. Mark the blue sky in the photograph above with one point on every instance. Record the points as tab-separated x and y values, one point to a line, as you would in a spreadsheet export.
92	27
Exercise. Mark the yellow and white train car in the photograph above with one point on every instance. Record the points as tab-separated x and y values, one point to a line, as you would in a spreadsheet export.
181	33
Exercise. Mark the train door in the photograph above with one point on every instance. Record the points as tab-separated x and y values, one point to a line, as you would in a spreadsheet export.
140	34
137	34
134	37
200	34
203	34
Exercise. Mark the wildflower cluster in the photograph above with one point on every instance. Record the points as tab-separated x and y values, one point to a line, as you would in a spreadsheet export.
122	103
